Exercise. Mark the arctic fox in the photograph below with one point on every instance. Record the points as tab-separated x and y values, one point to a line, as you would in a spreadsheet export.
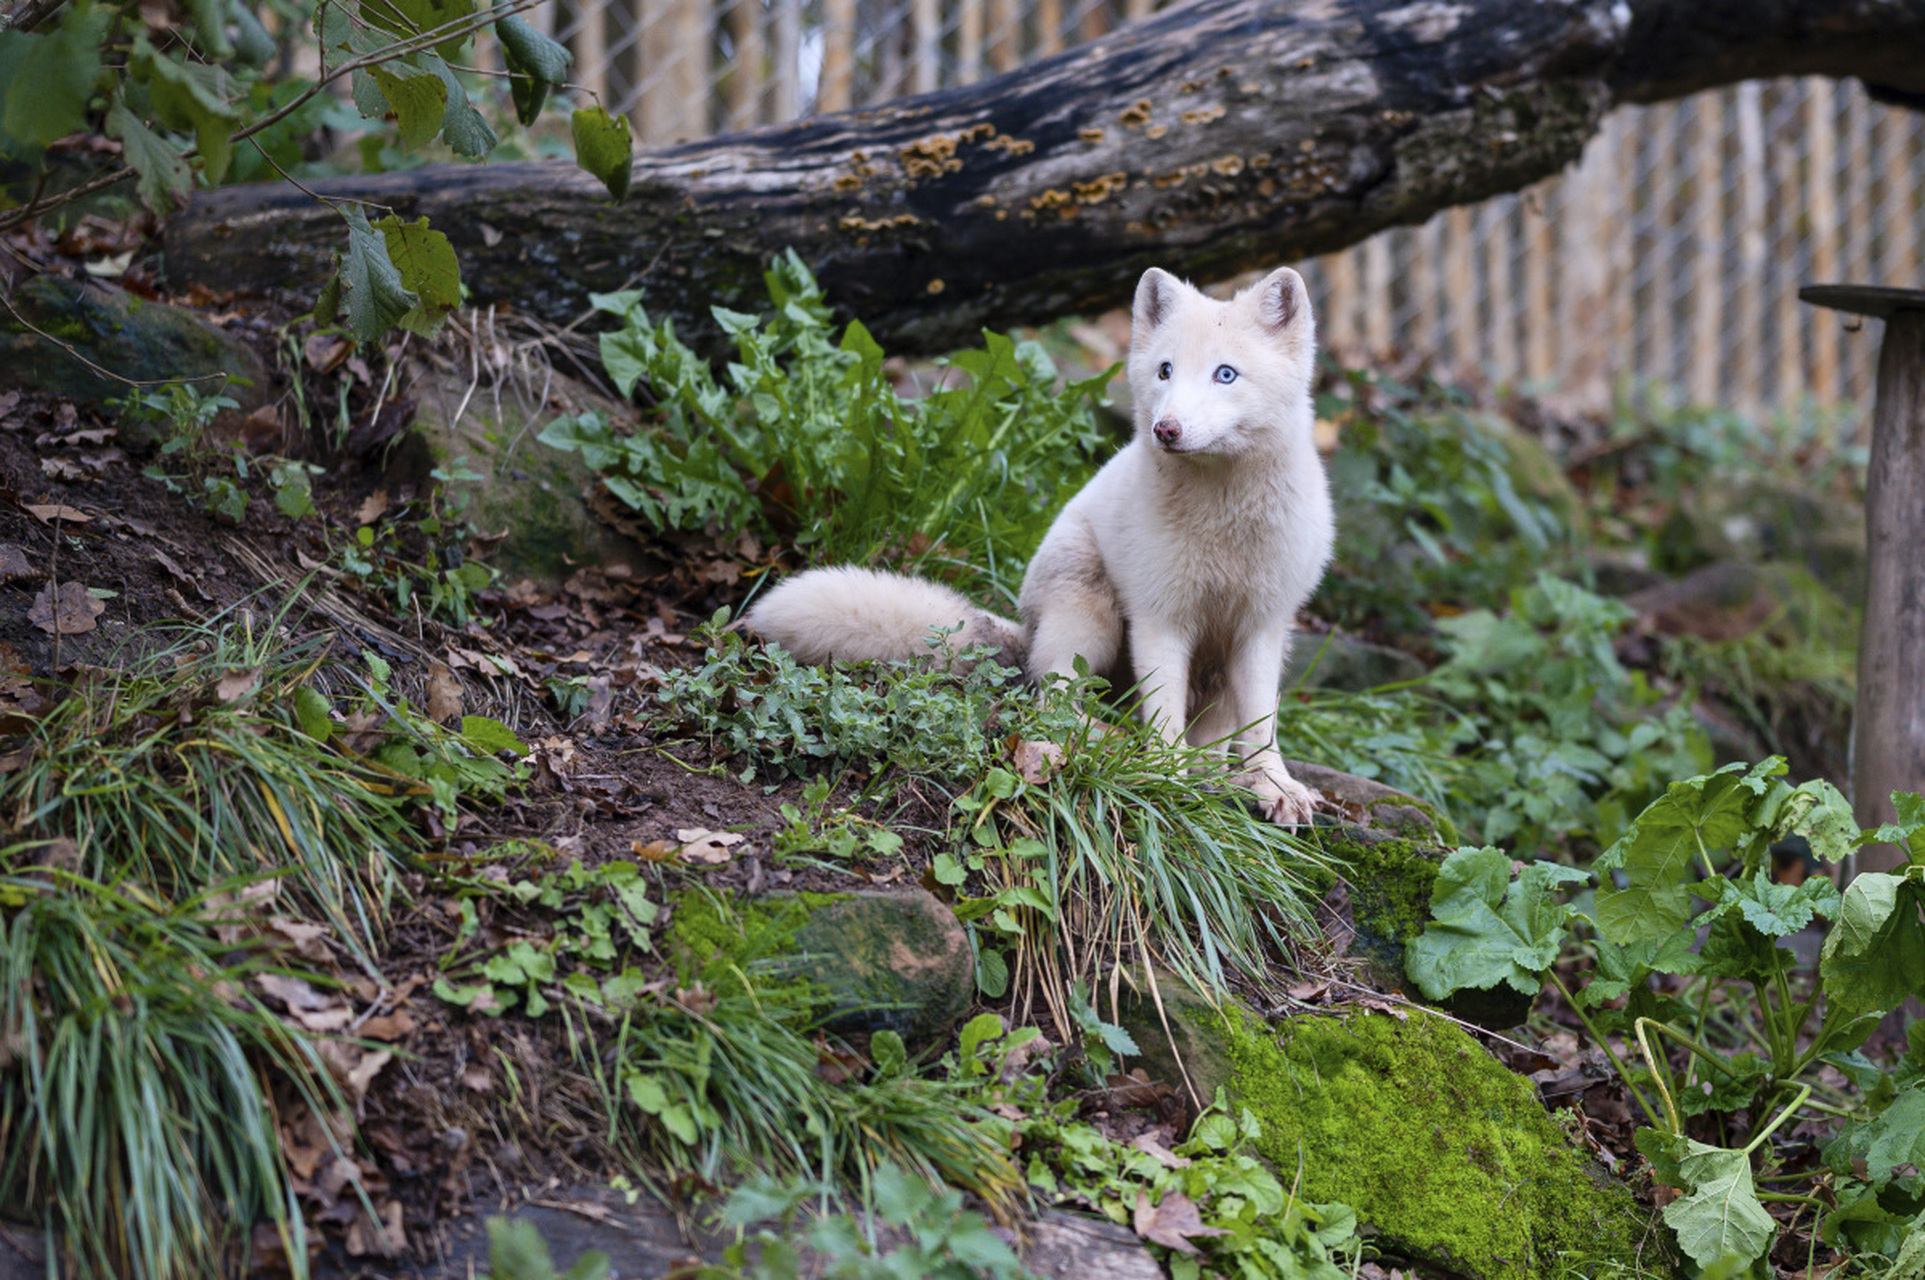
1178	568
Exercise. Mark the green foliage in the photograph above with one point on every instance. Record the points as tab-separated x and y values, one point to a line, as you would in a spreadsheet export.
807	435
417	554
599	919
605	148
137	1132
1692	868
944	1240
1432	507
516	1251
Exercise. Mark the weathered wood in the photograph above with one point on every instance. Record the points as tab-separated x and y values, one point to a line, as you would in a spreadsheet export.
1888	722
1214	135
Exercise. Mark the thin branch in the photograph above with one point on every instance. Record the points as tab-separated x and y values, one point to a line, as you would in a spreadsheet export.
30	14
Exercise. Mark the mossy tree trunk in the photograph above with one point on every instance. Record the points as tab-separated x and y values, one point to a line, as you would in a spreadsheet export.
1219	135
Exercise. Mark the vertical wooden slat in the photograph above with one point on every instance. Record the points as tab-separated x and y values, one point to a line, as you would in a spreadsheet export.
1340	320
785	53
1584	210
591	53
1661	300
1049	27
1376	295
1500	339
1134	9
1095	19
1747	360
1821	194
1704	376
746	69
1787	193
969	41
1460	291
1622	232
1856	378
925	28
835	90
1005	35
1423	278
1904	221
1540	353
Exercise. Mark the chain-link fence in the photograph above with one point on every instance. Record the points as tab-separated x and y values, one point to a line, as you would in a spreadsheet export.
1667	263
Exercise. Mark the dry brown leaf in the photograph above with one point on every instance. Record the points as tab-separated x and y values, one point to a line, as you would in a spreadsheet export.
325	351
363	731
63	470
1149	1144
655	850
699	844
237	684
1173	1223
381	1237
476	1079
398	1025
49	512
444	694
295	994
70	611
373	508
308	941
1035	761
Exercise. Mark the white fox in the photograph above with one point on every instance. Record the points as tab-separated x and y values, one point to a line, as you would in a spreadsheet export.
1179	567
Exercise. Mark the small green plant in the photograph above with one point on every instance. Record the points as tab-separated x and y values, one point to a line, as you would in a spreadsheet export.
1684	894
843	835
807	437
417	556
516	1251
601	918
941	1239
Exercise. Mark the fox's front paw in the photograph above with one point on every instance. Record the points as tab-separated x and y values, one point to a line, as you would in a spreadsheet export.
1281	798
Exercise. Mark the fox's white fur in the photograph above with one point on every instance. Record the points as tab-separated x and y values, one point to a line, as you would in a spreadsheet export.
1179	567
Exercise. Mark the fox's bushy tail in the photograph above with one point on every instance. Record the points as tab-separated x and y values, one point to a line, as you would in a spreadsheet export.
854	615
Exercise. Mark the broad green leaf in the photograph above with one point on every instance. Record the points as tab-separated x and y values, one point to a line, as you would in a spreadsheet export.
604	148
1719	1217
517	1250
425	262
191	95
311	712
252	44
370	289
490	735
1487	928
418	99
536	65
47	78
1875	1149
992	974
462	128
1908	832
210	28
1874	955
888	1052
162	178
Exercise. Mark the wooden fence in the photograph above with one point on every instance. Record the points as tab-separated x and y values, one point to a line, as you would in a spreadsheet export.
1666	264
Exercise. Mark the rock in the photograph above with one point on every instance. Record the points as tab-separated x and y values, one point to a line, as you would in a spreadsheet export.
1727	600
895	960
1447	1156
642	1238
1337	661
1763	521
122	333
1372	806
532	495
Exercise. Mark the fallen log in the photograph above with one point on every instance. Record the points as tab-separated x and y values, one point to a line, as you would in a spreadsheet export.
1218	135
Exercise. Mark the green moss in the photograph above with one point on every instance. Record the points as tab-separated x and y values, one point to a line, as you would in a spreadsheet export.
1435	1144
711	934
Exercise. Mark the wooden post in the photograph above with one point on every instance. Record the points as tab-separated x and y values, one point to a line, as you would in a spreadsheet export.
1747	366
786	54
1496	217
925	63
1790	362
1821	179
969	42
1901	213
1703	378
1888	725
1540	349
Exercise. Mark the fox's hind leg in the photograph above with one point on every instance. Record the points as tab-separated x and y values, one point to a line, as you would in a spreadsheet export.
1070	607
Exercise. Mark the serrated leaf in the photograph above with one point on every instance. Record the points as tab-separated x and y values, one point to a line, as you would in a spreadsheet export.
463	128
47	78
413	17
1719	1217
371	292
425	263
418	99
490	735
536	65
162	178
604	148
1874	955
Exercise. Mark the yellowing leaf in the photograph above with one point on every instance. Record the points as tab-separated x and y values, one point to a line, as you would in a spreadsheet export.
604	148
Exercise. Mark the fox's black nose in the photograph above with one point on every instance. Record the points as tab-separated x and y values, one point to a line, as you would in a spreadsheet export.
1167	431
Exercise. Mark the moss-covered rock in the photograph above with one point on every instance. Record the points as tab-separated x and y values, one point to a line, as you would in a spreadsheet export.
884	960
532	495
1447	1154
121	333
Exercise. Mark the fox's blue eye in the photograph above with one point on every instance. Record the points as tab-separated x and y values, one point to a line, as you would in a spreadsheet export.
1224	374
1163	370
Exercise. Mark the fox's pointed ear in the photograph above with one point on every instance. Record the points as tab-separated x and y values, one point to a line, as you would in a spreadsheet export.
1156	295
1283	303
